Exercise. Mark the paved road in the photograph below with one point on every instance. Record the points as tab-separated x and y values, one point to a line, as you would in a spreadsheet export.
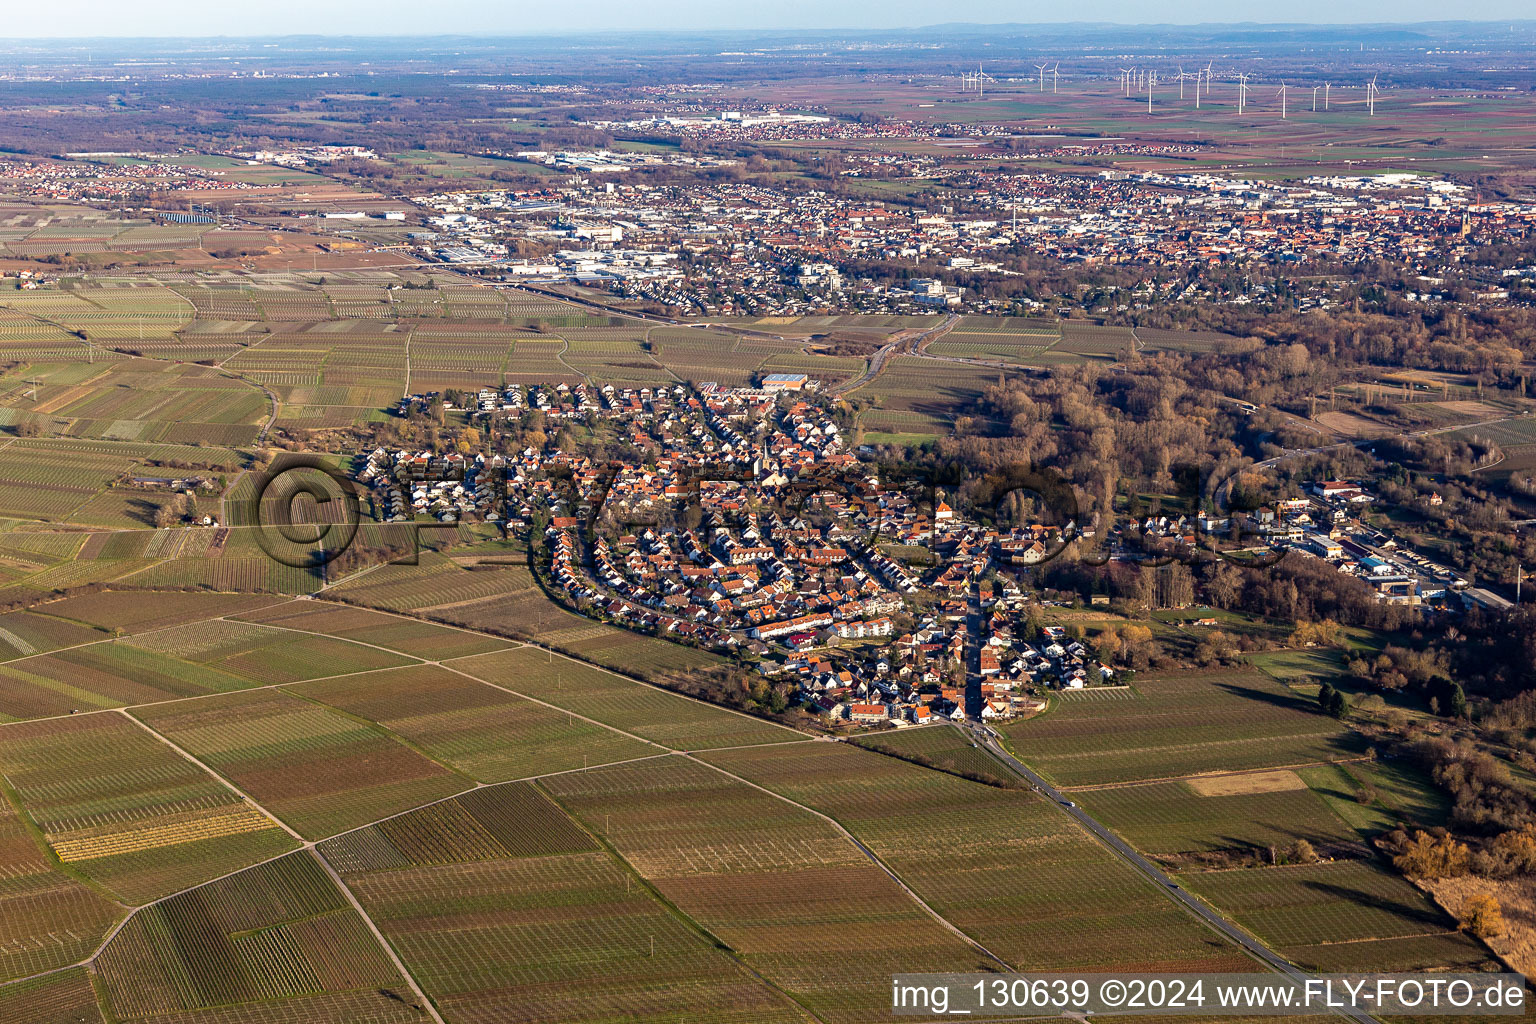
1170	888
907	345
975	638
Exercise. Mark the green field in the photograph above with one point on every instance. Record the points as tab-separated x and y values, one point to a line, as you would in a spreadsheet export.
945	748
132	612
486	733
1340	916
65	997
261	653
48	918
965	847
726	855
1180	726
1170	818
106	675
318	769
645	711
124	809
407	636
505	910
278	941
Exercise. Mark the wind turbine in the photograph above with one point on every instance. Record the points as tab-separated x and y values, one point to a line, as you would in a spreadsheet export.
1182	76
1150	83
1207	79
1242	92
1281	94
1053	77
1041	68
982	78
1370	96
1198	73
1314	99
1125	79
1326	87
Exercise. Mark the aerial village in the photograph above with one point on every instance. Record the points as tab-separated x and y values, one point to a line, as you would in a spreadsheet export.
745	526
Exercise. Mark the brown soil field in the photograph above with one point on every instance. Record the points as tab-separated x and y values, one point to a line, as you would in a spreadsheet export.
1477	410
332	261
1350	425
1244	785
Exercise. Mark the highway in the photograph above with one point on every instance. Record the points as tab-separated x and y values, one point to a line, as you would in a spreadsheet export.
987	738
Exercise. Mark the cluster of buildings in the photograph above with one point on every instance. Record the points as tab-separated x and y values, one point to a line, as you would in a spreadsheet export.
768	124
1153	219
721	248
449	487
99	178
717	249
300	156
1327	524
605	161
743	524
894	165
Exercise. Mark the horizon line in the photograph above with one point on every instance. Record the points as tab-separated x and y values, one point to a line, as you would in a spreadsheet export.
765	30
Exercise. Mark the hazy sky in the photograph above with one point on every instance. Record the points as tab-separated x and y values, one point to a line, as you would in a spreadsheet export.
34	18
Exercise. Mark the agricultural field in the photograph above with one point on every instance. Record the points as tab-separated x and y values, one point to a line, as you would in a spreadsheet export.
122	808
318	769
1010	339
76	480
902	425
506	600
49	918
525	611
128	611
1158	340
275	942
23	634
265	654
634	653
636	708
107	313
726	854
1374	796
1513	432
435	583
937	390
943	748
505	910
1343	915
104	675
1251	812
1180	726
49	480
65	997
484	732
1089	340
407	636
144	400
965	848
